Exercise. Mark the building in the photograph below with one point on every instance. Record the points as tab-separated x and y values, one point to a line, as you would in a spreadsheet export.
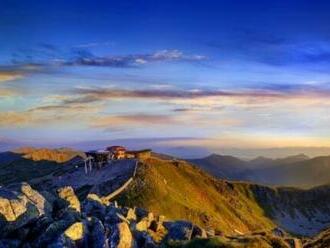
98	158
117	152
140	154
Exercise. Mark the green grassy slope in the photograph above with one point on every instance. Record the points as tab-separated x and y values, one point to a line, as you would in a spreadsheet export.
181	191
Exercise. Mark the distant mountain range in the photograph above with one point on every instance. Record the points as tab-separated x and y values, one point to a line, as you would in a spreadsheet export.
298	171
175	146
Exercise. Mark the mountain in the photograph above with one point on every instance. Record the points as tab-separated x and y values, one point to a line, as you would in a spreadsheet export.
31	218
182	191
27	163
225	167
306	173
322	240
298	170
262	162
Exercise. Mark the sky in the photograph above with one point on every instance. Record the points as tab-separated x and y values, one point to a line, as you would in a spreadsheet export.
225	74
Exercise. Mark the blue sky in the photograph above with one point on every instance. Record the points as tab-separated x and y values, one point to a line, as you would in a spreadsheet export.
223	73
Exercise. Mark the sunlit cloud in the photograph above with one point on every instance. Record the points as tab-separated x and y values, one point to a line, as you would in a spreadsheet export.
133	120
15	119
9	76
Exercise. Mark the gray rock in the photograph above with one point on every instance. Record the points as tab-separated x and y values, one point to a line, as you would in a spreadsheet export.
97	234
141	213
179	230
68	195
19	205
92	206
114	216
143	239
198	232
7	243
121	236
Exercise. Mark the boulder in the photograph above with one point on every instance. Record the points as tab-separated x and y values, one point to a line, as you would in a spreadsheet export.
143	239
9	243
68	195
121	236
157	225
179	230
76	232
39	226
92	206
129	213
97	234
278	232
56	229
43	206
144	223
141	213
114	216
198	232
17	210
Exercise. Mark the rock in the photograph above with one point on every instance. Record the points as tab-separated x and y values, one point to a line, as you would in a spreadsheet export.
141	213
43	206
278	232
16	210
76	231
179	230
210	233
92	206
198	232
144	223
157	225
7	243
129	214
54	231
68	195
97	236
114	216
121	236
39	226
143	239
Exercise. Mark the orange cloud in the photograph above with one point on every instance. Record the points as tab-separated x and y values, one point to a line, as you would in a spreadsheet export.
132	120
9	76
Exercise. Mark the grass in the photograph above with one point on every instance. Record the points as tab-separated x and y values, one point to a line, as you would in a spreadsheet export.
221	242
182	191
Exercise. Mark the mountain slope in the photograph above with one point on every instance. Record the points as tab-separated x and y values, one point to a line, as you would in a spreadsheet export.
182	191
225	167
306	173
26	164
297	171
263	162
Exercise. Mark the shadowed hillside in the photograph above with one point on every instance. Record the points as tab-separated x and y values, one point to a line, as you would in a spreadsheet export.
296	171
225	167
26	164
306	173
182	191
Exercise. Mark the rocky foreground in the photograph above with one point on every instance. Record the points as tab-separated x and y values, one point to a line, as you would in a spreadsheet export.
42	219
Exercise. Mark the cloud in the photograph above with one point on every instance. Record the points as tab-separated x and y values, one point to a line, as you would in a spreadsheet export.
49	55
144	120
86	58
5	92
14	119
84	95
10	76
94	44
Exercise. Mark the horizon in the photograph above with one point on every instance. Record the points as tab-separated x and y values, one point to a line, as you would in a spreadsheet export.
174	147
207	76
